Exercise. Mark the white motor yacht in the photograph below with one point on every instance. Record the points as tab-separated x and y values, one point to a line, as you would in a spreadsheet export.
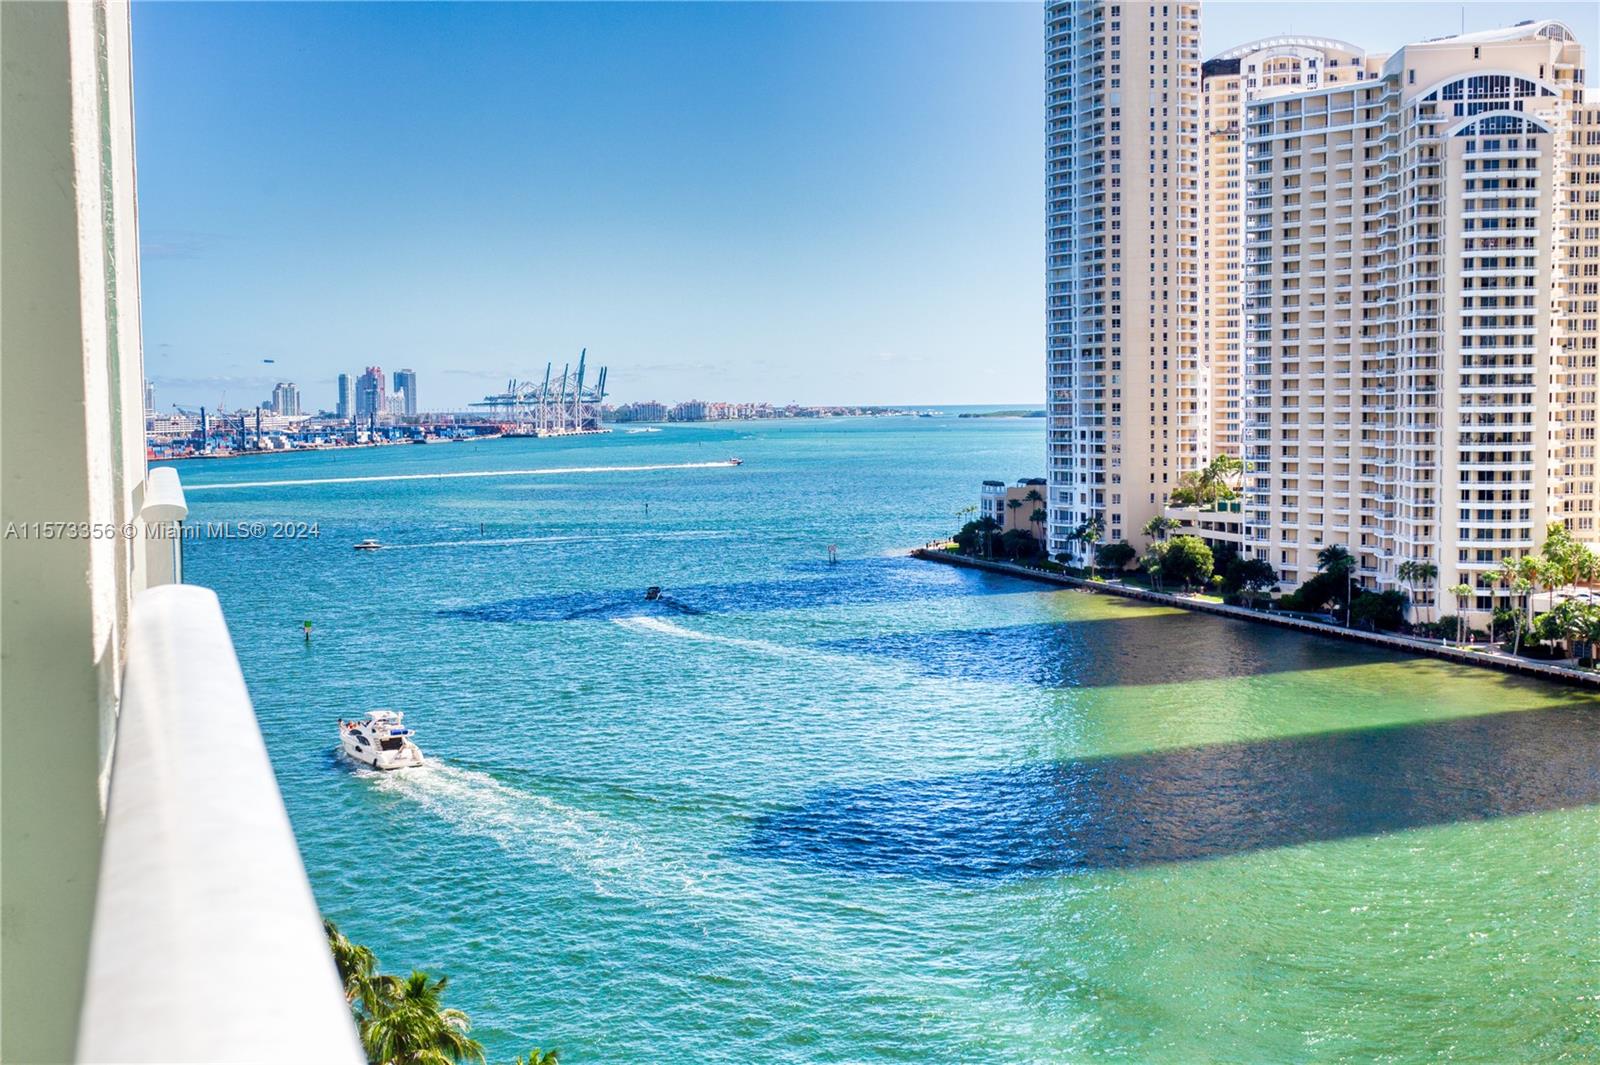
380	740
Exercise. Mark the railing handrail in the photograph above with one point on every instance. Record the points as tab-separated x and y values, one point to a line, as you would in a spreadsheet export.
163	496
207	944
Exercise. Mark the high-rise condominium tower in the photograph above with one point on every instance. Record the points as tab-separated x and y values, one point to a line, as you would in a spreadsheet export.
1272	66
1420	370
1126	389
372	396
406	381
347	397
286	398
1374	278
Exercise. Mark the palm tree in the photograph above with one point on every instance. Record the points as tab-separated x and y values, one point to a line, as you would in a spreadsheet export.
1013	505
411	1025
1560	561
1414	573
1039	517
538	1057
1426	573
1405	575
1523	574
1090	533
1158	527
1336	561
1523	587
964	515
1216	480
355	963
1152	560
1585	569
1462	592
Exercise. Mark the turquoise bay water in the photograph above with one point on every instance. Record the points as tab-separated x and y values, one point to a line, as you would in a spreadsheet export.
886	811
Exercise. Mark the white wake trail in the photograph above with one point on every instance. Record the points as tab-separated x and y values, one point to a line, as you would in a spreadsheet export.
581	844
760	646
514	541
552	471
617	860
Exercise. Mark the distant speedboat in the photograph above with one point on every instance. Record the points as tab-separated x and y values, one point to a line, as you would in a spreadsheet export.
381	740
736	462
368	545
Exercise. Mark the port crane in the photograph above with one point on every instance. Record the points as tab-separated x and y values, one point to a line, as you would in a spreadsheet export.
553	406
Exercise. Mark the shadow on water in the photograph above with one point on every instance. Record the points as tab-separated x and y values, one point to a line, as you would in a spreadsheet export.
850	583
1107	651
1196	802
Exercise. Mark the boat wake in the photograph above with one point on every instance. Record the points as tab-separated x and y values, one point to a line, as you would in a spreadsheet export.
535	827
662	626
546	472
619	863
514	541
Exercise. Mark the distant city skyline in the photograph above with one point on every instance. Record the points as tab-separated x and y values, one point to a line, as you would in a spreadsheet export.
811	203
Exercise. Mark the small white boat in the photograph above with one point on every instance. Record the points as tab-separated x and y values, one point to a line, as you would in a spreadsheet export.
368	545
380	740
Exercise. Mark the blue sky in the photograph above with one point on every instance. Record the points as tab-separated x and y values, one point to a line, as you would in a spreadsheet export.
822	203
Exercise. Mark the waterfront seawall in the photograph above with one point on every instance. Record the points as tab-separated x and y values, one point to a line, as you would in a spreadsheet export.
1407	644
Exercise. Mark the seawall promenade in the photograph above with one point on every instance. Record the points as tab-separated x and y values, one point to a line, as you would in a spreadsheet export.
1485	659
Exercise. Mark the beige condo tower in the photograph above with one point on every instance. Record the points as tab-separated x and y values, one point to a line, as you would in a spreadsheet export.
1414	361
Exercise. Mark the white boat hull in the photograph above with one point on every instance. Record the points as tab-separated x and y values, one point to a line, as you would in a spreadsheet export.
407	757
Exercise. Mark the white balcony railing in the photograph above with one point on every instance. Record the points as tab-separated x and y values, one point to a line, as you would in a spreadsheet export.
207	945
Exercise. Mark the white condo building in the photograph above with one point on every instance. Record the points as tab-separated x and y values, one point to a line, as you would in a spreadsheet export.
1413	361
1371	277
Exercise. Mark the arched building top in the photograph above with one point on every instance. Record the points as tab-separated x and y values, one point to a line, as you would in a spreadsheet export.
1528	30
1290	40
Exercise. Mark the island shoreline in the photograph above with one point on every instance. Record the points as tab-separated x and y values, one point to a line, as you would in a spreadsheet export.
1407	644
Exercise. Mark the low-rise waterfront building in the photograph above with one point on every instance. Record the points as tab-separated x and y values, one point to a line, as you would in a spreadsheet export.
1014	506
1218	524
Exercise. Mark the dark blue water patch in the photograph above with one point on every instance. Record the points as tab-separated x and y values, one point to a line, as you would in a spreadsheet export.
1196	802
857	582
1137	648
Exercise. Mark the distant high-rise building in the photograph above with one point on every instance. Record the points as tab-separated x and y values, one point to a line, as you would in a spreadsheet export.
149	396
371	395
397	402
347	396
286	398
406	381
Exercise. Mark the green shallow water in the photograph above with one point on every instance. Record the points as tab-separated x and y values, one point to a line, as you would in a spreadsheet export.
887	811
